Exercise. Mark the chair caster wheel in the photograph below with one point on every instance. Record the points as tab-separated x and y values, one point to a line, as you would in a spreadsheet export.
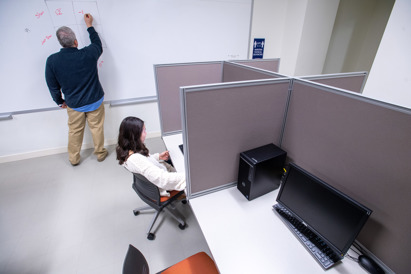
151	236
136	212
182	227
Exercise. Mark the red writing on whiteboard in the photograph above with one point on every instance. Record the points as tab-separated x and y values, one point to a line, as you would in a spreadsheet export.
101	64
82	12
39	14
45	39
58	11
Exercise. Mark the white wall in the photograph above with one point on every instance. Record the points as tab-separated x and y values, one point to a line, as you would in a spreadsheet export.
216	29
44	133
358	30
291	32
315	37
294	20
269	14
297	31
390	75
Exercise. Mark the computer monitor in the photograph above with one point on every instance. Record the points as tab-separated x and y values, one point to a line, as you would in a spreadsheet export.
328	212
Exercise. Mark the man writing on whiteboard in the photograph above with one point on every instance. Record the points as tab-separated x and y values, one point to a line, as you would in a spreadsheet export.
73	72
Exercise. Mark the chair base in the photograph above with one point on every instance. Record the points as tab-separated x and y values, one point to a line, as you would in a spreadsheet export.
151	236
137	210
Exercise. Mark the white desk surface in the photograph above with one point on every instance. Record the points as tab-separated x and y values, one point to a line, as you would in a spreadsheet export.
172	142
248	236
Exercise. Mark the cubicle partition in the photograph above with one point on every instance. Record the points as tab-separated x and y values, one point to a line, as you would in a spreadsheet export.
359	145
266	64
220	121
233	72
352	81
170	77
362	147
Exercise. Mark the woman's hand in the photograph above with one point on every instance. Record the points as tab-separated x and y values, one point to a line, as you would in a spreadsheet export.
164	156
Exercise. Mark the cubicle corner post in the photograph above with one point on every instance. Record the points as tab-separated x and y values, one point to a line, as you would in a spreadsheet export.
185	139
364	82
290	90
278	66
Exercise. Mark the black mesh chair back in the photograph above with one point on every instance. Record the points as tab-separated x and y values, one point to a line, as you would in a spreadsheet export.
150	194
134	262
146	190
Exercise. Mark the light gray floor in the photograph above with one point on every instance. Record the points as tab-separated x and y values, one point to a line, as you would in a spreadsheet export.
55	218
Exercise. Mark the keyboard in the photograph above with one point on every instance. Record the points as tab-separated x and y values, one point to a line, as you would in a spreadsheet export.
325	256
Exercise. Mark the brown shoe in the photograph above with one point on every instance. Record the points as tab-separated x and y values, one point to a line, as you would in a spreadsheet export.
102	158
75	164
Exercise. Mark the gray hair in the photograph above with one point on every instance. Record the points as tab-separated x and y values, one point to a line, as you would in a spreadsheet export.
66	37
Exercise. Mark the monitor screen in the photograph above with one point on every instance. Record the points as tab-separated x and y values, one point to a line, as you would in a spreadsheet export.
330	213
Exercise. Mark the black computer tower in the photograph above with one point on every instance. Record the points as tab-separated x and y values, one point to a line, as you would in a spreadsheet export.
260	170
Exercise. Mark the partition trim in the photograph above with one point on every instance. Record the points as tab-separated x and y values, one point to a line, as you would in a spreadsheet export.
212	190
233	84
185	140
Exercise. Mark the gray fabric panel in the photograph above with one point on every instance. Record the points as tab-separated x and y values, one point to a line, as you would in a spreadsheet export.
222	122
169	80
270	65
233	72
363	148
351	83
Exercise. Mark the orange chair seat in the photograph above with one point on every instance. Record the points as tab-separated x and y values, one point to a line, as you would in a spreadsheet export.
199	263
172	193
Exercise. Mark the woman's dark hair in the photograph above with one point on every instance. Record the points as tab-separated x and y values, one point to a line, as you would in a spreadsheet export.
129	139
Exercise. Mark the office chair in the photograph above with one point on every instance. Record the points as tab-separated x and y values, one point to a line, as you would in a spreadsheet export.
150	194
199	263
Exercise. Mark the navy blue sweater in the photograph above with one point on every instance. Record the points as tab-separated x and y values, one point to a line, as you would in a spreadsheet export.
73	72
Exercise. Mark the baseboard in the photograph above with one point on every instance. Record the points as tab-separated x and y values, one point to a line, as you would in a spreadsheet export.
52	151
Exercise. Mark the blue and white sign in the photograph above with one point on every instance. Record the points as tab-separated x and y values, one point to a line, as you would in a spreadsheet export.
258	48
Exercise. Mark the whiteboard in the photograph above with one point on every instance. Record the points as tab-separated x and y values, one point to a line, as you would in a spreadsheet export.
136	34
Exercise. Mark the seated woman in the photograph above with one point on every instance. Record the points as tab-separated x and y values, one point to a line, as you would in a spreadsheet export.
134	156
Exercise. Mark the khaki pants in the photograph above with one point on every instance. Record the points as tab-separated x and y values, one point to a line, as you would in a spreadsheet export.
76	123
